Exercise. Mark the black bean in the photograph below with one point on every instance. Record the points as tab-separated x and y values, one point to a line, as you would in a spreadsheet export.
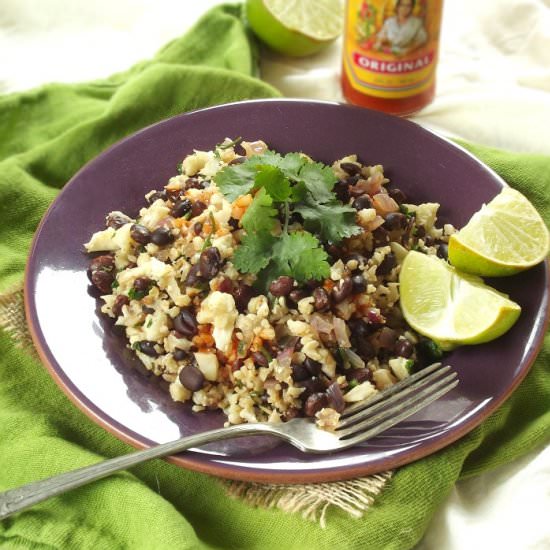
140	234
311	385
142	284
102	263
147	309
297	294
394	221
342	290
242	295
358	284
194	183
397	195
314	367
156	196
120	301
197	228
116	220
181	354
321	299
175	194
403	348
362	202
314	403
336	397
380	236
313	283
148	348
387	264
335	251
394	318
359	375
260	360
226	285
162	236
443	251
181	208
193	276
191	377
299	373
420	231
103	280
429	241
233	223
238	160
365	349
281	286
386	338
198	208
341	191
209	262
351	168
359	329
185	323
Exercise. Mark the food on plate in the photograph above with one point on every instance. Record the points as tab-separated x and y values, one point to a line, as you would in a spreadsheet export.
451	307
506	236
266	285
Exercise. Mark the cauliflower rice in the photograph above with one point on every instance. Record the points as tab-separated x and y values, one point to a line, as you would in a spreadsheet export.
220	339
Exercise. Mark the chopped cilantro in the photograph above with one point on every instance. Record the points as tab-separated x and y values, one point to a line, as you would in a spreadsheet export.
301	255
285	184
135	346
228	144
150	322
333	221
134	294
260	216
115	284
179	168
352	383
274	182
254	253
236	180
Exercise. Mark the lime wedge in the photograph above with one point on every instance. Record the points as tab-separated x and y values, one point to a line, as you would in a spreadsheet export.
296	27
503	238
451	307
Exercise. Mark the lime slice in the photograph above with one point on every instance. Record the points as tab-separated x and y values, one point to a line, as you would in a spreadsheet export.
451	307
503	238
296	27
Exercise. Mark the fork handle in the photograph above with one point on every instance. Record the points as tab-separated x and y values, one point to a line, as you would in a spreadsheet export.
18	499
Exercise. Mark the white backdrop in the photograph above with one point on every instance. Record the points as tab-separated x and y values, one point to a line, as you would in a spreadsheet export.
493	88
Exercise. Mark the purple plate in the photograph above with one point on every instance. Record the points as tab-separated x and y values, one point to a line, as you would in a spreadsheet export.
87	356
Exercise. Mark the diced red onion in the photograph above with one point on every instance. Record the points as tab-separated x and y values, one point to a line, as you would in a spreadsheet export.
254	147
321	324
341	332
336	397
384	204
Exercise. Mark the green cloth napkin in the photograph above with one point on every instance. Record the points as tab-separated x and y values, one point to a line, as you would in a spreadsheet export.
46	135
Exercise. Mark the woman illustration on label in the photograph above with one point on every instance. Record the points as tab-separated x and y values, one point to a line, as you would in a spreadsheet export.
403	32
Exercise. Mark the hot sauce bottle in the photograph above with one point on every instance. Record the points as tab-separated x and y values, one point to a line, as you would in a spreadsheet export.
390	53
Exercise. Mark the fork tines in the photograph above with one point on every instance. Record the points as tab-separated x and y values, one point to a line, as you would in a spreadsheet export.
371	417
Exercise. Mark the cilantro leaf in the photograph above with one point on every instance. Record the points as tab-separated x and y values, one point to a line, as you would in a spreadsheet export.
319	180
332	221
254	253
291	164
259	216
236	180
301	255
274	182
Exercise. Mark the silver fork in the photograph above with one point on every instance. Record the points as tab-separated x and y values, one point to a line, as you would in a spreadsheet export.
357	423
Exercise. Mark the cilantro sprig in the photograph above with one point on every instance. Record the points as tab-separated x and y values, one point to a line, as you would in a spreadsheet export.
283	185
